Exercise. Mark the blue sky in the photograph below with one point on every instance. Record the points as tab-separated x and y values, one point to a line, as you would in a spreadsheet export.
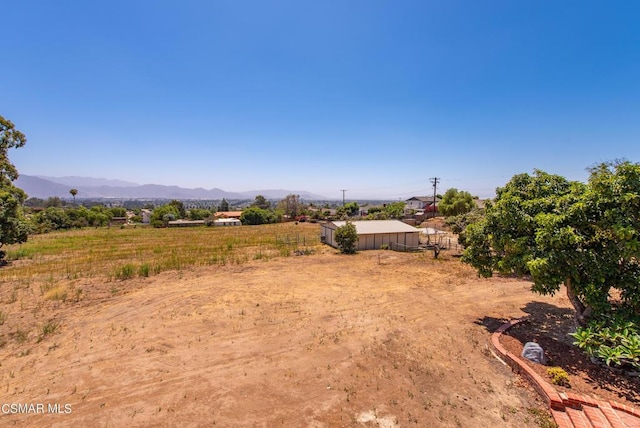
370	96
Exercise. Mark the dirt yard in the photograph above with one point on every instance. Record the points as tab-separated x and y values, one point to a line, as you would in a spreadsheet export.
379	339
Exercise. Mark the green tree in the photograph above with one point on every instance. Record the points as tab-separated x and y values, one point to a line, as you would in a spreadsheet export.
182	213
560	232
346	237
394	209
52	218
261	202
78	217
99	216
118	211
74	192
164	214
199	214
13	226
34	203
53	201
255	215
224	205
291	205
349	209
456	202
459	223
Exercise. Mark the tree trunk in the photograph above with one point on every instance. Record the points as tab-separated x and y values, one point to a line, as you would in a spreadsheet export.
583	312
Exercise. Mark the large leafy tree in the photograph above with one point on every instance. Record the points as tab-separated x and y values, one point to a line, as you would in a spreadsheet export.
561	232
291	205
13	227
261	202
162	215
349	209
255	215
456	202
394	209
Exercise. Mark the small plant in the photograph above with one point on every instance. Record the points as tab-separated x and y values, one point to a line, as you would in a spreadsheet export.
384	246
48	328
126	271
143	270
542	418
558	376
56	293
20	335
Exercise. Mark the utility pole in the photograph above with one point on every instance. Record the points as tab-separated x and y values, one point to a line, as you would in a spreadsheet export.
343	190
434	181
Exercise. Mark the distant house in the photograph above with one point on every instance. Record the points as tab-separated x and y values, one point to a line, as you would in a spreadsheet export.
374	234
227	214
425	203
146	216
227	222
115	221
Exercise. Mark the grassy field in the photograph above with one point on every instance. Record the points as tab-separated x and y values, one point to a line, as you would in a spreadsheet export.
122	253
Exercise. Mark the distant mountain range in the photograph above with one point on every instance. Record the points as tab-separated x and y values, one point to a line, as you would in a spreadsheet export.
95	188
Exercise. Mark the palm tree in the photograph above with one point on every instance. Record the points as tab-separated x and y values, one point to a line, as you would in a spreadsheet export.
74	192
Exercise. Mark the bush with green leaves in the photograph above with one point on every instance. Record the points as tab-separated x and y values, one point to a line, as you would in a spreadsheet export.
394	209
456	202
162	215
613	339
459	223
254	216
346	237
348	210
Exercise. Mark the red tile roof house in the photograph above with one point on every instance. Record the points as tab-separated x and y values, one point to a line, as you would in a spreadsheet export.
227	214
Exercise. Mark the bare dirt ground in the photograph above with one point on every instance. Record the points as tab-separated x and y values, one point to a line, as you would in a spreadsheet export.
377	339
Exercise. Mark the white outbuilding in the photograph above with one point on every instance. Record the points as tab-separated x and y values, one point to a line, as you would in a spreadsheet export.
375	234
227	222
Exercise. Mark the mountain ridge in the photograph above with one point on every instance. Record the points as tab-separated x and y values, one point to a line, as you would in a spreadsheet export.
89	187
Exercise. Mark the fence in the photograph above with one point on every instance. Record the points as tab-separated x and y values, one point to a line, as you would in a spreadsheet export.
401	247
296	240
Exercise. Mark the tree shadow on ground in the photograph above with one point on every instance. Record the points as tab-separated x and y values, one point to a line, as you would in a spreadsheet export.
550	326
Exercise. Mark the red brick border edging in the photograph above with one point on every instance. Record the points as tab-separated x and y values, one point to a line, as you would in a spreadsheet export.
558	402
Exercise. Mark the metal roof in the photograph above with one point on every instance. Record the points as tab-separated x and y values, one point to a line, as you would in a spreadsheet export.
369	227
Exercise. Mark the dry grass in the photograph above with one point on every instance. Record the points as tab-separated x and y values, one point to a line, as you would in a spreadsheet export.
125	253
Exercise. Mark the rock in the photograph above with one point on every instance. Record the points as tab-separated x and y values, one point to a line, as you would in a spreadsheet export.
534	352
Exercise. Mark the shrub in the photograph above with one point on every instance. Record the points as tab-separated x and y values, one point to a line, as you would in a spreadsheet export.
56	293
346	237
143	270
48	328
613	339
125	272
558	376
